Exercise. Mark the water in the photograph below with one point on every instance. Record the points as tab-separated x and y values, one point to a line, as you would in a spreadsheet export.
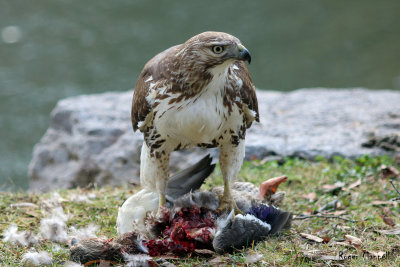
53	49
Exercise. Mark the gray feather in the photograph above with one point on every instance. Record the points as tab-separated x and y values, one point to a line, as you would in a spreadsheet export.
239	232
201	199
189	179
281	221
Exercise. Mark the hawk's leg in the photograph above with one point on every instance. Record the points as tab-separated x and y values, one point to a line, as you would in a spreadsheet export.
154	173
231	159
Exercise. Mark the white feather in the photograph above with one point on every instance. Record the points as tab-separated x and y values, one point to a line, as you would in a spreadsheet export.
249	217
23	238
54	226
239	83
72	264
149	79
85	232
36	259
132	214
137	260
54	229
80	198
223	221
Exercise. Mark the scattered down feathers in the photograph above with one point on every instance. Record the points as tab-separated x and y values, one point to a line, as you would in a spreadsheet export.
36	259
19	238
54	226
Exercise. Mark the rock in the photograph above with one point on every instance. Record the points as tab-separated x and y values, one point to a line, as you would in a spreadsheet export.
90	139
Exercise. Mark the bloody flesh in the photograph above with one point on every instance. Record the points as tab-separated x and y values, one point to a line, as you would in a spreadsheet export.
189	229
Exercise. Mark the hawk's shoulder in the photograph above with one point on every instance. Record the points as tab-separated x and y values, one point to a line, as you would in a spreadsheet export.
155	73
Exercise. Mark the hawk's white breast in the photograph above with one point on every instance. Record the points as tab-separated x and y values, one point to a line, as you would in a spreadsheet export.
199	119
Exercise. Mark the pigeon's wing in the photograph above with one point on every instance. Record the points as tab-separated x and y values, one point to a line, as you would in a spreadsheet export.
281	220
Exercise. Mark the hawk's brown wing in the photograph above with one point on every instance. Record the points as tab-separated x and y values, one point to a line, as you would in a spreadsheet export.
156	71
140	106
247	91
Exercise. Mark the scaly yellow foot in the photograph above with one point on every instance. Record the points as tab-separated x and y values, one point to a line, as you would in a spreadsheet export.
227	203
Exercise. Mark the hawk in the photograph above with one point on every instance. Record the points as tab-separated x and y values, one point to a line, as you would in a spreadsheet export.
196	94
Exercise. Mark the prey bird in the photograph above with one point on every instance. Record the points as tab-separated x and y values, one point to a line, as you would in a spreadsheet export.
196	94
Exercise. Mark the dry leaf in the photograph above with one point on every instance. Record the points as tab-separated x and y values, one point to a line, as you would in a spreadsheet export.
383	202
326	239
353	185
353	240
387	220
204	252
337	212
329	206
252	258
104	263
164	264
270	186
310	196
23	205
370	179
168	257
328	188
218	260
388	171
312	237
387	211
395	231
319	255
346	244
33	213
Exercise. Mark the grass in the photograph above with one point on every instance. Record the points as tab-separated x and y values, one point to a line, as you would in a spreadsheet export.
287	249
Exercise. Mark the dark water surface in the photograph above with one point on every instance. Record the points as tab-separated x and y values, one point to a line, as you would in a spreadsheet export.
54	49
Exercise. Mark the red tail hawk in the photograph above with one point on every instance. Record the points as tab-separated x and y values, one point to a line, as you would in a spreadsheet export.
198	93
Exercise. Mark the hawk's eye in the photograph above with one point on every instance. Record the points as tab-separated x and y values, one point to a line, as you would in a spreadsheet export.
217	49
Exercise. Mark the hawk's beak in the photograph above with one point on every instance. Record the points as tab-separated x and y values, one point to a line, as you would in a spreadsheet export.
244	54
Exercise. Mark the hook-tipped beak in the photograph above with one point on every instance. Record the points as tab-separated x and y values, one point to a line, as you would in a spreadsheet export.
244	54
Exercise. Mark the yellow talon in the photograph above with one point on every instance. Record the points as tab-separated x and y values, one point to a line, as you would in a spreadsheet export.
227	204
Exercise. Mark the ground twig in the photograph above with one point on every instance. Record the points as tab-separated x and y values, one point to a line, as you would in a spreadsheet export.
304	217
397	190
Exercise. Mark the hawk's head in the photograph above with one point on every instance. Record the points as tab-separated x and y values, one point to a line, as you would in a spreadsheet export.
210	49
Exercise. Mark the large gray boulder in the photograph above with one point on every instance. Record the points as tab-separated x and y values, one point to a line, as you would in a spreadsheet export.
90	139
